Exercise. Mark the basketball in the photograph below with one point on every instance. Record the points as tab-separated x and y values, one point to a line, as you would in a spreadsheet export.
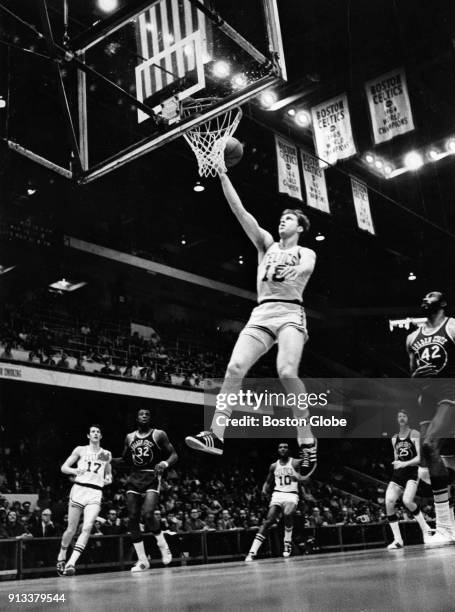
233	152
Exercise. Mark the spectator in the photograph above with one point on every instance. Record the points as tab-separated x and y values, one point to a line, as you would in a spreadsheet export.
194	522
45	528
80	367
112	525
13	527
210	522
225	522
63	361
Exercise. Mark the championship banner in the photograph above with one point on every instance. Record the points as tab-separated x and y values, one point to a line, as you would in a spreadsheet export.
390	109
362	206
315	186
288	168
332	130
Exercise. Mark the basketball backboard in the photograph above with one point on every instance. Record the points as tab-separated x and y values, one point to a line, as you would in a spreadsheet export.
131	78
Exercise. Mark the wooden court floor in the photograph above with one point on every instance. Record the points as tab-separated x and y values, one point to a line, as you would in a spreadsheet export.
414	579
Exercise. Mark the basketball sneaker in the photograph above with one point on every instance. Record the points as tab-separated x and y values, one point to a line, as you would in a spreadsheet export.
140	566
250	557
70	570
60	568
309	457
207	442
166	555
444	534
287	549
395	545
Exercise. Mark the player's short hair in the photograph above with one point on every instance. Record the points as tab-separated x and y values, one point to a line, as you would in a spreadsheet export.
94	425
146	410
283	443
302	219
403	411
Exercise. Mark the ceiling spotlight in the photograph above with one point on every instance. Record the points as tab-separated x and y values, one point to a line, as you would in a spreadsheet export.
221	69
433	154
388	170
241	262
369	158
31	191
319	237
268	98
303	118
239	81
198	187
2	102
183	241
291	112
450	145
412	276
413	160
378	163
107	6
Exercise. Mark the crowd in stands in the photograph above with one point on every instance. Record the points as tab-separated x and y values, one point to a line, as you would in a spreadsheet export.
114	350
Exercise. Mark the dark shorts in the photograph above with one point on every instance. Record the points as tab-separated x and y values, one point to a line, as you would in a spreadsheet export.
442	390
142	482
401	477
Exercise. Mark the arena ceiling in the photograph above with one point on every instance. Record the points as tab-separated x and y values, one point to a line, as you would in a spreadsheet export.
149	206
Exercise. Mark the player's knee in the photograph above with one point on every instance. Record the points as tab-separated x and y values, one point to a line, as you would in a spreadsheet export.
287	370
235	369
390	501
408	500
86	530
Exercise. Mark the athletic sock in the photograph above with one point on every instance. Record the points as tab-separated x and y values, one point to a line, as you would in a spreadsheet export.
218	426
160	539
77	551
424	526
288	534
257	542
140	551
395	527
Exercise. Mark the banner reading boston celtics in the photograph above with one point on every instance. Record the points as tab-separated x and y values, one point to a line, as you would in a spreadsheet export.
332	130
315	186
390	109
288	168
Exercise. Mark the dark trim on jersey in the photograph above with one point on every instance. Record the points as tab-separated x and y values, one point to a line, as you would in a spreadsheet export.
298	302
89	486
287	492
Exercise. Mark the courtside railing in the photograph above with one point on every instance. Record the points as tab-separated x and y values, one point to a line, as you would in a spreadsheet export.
36	557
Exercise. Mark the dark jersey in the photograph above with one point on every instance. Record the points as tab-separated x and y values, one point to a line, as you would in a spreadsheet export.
435	349
405	449
143	452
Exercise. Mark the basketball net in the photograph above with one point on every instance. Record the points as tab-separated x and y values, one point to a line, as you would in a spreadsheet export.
208	140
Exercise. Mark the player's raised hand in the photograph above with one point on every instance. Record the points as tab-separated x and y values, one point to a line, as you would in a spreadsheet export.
108	480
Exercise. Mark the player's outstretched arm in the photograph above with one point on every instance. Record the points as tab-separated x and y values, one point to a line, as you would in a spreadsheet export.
72	459
258	236
163	442
108	474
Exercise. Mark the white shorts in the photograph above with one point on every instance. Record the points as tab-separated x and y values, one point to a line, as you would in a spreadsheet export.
81	496
267	320
286	501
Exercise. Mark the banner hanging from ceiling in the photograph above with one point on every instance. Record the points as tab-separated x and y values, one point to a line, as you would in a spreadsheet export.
332	130
288	168
390	108
315	185
362	205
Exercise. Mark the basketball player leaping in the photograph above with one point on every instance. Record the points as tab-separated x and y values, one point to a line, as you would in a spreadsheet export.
284	269
144	452
431	351
406	451
284	476
93	471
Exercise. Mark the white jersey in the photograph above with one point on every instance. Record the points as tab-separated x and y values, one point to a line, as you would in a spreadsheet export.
270	286
283	473
93	464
